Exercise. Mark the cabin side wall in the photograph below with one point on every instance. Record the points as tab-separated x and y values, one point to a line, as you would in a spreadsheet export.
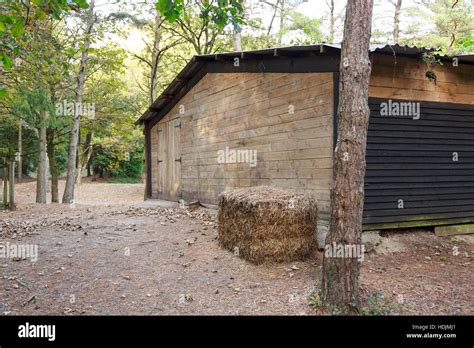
286	119
251	111
420	168
404	78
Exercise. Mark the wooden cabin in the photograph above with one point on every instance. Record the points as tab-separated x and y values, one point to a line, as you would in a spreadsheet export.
268	117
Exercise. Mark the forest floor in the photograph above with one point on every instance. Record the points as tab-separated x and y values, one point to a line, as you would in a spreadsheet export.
110	254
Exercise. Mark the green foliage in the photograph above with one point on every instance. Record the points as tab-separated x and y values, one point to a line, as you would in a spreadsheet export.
452	25
379	304
56	8
46	77
201	32
315	300
18	19
8	136
45	41
373	304
9	142
122	165
465	45
170	9
431	60
306	30
258	42
117	144
3	91
30	103
221	12
129	167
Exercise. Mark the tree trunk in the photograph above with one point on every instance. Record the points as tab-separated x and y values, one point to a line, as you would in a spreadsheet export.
155	58
68	195
89	172
53	166
236	40
5	184
83	156
80	159
452	40
332	21
270	26
282	21
237	34
20	150
42	167
11	174
396	21
340	285
87	152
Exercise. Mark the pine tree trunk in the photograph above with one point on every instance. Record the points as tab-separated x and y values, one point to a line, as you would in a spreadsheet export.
396	21
42	166
340	285
20	150
155	59
68	195
53	166
332	22
452	40
282	21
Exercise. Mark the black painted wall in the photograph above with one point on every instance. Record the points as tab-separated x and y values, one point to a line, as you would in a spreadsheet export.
412	178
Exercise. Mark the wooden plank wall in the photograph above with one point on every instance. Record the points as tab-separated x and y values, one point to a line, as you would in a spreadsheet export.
253	111
411	161
250	111
404	78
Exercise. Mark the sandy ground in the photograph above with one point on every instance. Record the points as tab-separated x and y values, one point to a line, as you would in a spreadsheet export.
110	254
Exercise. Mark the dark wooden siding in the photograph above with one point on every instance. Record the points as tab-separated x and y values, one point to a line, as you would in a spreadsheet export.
412	160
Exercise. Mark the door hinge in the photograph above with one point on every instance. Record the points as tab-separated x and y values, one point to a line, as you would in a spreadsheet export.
177	125
159	161
178	160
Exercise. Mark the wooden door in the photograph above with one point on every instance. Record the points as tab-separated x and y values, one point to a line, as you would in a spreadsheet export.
169	160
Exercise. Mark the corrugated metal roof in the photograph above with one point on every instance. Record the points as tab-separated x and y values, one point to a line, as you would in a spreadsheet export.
197	62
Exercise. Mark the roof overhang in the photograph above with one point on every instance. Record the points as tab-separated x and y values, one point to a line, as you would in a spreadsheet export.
280	59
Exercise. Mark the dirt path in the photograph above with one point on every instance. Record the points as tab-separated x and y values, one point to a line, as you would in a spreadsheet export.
103	257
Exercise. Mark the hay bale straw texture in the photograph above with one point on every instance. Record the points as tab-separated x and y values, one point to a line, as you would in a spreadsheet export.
265	224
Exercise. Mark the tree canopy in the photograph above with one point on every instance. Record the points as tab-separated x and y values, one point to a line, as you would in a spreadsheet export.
137	48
